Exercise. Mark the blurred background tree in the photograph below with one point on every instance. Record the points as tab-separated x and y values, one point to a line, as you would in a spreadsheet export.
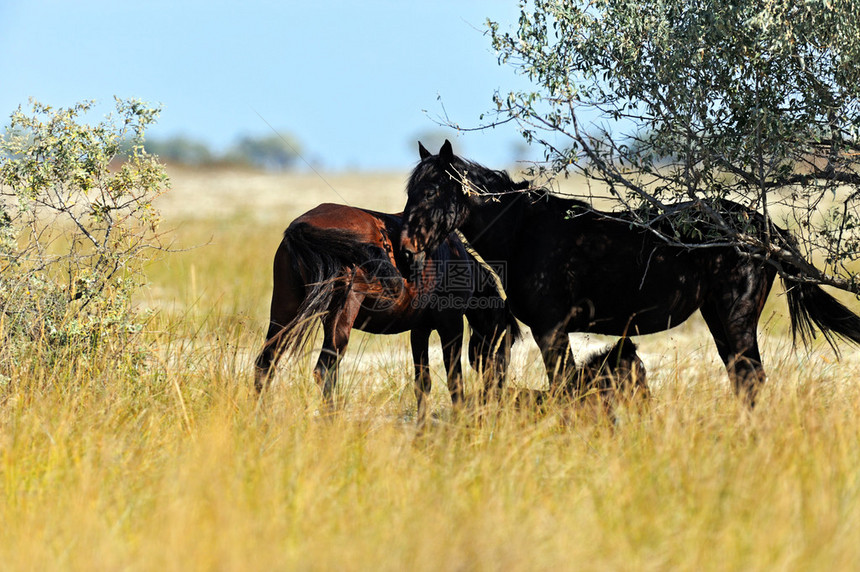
273	152
182	150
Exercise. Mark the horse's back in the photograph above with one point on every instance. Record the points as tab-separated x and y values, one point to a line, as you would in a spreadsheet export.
370	227
606	275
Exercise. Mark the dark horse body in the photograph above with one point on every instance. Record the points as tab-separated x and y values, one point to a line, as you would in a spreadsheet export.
571	268
343	265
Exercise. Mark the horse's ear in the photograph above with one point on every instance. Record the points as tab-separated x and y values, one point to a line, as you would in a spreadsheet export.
446	152
422	151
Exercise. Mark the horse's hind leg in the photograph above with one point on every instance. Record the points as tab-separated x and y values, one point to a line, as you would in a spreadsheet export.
268	357
733	319
287	294
337	325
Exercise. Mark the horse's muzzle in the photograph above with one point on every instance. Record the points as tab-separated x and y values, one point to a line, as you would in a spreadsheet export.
415	260
414	257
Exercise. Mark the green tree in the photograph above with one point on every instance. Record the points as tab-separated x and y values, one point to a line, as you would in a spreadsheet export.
753	100
77	223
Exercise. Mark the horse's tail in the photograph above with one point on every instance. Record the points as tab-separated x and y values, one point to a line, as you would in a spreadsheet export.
810	307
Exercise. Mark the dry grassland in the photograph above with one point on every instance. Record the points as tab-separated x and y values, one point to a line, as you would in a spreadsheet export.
178	467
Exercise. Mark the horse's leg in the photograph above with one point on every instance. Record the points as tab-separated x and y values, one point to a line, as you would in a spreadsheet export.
273	348
337	325
287	294
419	338
451	335
732	317
490	358
557	358
738	348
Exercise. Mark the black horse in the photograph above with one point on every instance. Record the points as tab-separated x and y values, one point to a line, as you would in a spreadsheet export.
571	268
343	265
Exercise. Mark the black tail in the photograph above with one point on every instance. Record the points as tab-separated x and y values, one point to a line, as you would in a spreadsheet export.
811	307
322	257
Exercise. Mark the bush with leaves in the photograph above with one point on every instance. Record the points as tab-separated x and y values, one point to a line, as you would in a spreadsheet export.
77	223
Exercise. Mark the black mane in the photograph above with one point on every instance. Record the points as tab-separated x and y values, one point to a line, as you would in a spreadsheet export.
486	181
490	181
483	179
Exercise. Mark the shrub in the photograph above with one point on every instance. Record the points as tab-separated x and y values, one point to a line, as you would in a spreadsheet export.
77	223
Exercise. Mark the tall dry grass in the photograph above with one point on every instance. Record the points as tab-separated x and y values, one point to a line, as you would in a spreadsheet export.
178	466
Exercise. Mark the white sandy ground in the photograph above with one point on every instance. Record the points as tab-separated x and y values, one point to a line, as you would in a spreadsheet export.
269	197
273	197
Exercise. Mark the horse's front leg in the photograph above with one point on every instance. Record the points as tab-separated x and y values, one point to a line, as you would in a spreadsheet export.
558	359
419	339
490	357
451	336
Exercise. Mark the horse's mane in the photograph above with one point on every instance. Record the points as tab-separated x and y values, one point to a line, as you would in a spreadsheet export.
487	182
484	179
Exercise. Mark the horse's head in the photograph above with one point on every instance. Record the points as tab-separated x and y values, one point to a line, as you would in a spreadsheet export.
436	201
443	192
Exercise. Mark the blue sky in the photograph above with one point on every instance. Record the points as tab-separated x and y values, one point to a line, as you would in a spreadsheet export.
354	82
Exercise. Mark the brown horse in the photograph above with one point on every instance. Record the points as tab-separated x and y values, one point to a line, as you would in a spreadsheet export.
344	265
571	268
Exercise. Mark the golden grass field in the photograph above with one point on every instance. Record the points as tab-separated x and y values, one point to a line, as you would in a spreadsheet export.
177	466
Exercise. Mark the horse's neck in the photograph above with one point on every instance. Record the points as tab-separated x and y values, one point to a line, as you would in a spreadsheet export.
492	228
